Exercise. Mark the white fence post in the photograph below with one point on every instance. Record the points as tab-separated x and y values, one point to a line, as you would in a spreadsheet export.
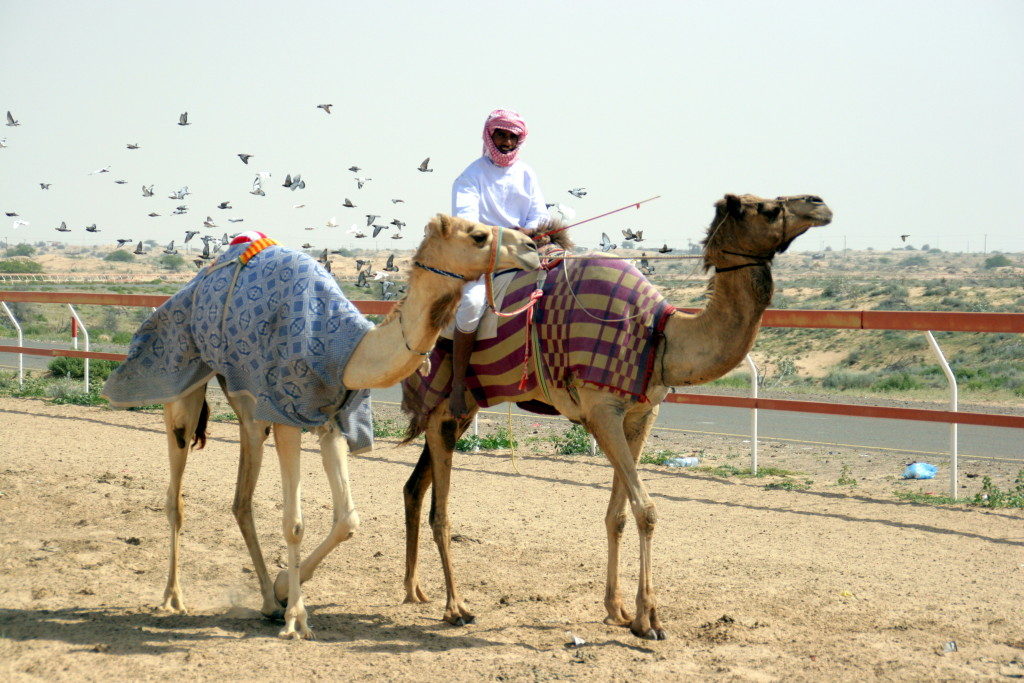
21	342
753	415
476	432
85	333
951	378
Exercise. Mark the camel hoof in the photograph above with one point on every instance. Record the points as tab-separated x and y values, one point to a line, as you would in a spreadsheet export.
651	634
617	621
292	634
460	620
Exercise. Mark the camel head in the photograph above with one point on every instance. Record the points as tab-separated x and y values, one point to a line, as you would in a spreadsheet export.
464	247
747	225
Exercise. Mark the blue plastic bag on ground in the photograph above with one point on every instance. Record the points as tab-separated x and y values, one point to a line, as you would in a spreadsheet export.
920	470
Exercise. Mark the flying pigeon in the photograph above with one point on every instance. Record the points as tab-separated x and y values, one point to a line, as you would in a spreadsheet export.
397	201
332	222
637	236
183	119
147	191
121	182
387	290
63	227
152	214
390	265
198	262
295	183
424	166
133	145
904	237
45	186
10	213
355	231
348	203
3	143
578	192
92	228
183	208
606	243
298	206
257	187
208	223
325	107
664	249
11	121
189	234
121	242
645	267
354	169
362	181
309	228
206	251
378	228
180	210
245	158
361	280
397	236
397	223
224	205
138	249
224	240
169	249
235	220
105	169
370	218
18	224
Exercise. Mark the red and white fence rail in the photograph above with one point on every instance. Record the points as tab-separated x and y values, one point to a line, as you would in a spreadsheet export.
923	321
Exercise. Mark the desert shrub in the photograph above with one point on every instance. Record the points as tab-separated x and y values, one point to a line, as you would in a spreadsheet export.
120	256
914	261
20	266
848	379
898	381
171	261
65	366
21	250
575	440
997	261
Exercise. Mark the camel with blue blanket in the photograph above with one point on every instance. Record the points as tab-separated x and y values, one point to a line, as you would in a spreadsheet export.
602	347
291	352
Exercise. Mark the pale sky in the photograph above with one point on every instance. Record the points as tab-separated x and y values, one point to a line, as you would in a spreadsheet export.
906	117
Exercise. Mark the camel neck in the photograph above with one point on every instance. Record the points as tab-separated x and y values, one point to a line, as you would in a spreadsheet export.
705	346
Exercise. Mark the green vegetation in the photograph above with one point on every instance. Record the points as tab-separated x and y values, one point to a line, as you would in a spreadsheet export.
20	266
574	441
846	477
384	428
501	438
997	261
659	458
171	261
990	495
789	485
21	250
65	366
120	255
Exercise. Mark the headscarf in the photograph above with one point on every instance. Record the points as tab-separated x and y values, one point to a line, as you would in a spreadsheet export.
248	236
509	120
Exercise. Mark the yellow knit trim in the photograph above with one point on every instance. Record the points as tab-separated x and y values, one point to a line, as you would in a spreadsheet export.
255	248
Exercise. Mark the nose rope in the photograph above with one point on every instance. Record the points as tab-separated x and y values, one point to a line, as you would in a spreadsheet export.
594	218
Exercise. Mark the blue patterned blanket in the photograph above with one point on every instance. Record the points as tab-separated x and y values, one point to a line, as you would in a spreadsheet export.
285	338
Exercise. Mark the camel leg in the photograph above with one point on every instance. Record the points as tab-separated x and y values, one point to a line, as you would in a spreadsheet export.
614	524
252	435
287	439
181	418
442	433
414	491
605	421
334	453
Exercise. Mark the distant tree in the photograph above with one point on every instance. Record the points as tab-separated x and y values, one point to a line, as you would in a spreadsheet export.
997	261
21	250
171	261
925	247
20	266
120	255
828	248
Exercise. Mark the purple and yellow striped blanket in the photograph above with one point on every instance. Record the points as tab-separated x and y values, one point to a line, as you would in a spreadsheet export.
597	323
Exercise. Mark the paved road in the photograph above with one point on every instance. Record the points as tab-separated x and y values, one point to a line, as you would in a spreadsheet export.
892	435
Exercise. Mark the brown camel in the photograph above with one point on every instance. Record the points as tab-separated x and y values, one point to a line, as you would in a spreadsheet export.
744	237
452	250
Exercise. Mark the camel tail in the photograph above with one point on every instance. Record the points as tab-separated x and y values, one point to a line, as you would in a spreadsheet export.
200	436
413	406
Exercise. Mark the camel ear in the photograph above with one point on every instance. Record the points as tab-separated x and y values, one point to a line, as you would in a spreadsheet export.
733	205
440	225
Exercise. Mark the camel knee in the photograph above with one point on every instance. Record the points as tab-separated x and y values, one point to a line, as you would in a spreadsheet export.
293	531
241	510
346	525
615	523
648	518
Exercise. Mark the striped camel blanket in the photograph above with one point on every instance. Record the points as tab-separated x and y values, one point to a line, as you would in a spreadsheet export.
276	327
597	323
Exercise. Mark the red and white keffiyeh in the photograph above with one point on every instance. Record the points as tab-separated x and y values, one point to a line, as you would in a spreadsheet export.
248	236
504	119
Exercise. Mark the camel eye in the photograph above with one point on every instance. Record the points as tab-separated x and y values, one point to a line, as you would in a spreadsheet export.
479	237
770	213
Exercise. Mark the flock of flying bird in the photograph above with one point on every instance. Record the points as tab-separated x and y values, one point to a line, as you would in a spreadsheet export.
212	245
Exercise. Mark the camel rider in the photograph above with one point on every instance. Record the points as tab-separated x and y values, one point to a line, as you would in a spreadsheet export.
496	189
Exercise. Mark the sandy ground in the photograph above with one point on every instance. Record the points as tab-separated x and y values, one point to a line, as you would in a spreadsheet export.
754	584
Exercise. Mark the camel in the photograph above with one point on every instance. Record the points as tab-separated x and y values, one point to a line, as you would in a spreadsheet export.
452	251
744	237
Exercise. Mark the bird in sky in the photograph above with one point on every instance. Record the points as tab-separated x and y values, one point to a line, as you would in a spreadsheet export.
11	120
105	169
312	228
183	119
397	223
224	239
133	145
397	236
152	214
332	222
348	203
92	228
361	262
10	213
356	231
355	169
245	158
147	191
169	249
224	205
45	186
189	234
206	251
361	279
397	201
325	107
390	264
295	183
370	218
121	182
904	237
637	236
3	143
122	242
298	206
424	166
606	243
63	227
664	249
208	223
645	266
180	210
578	192
138	249
362	181
257	187
198	262
19	224
235	220
378	228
